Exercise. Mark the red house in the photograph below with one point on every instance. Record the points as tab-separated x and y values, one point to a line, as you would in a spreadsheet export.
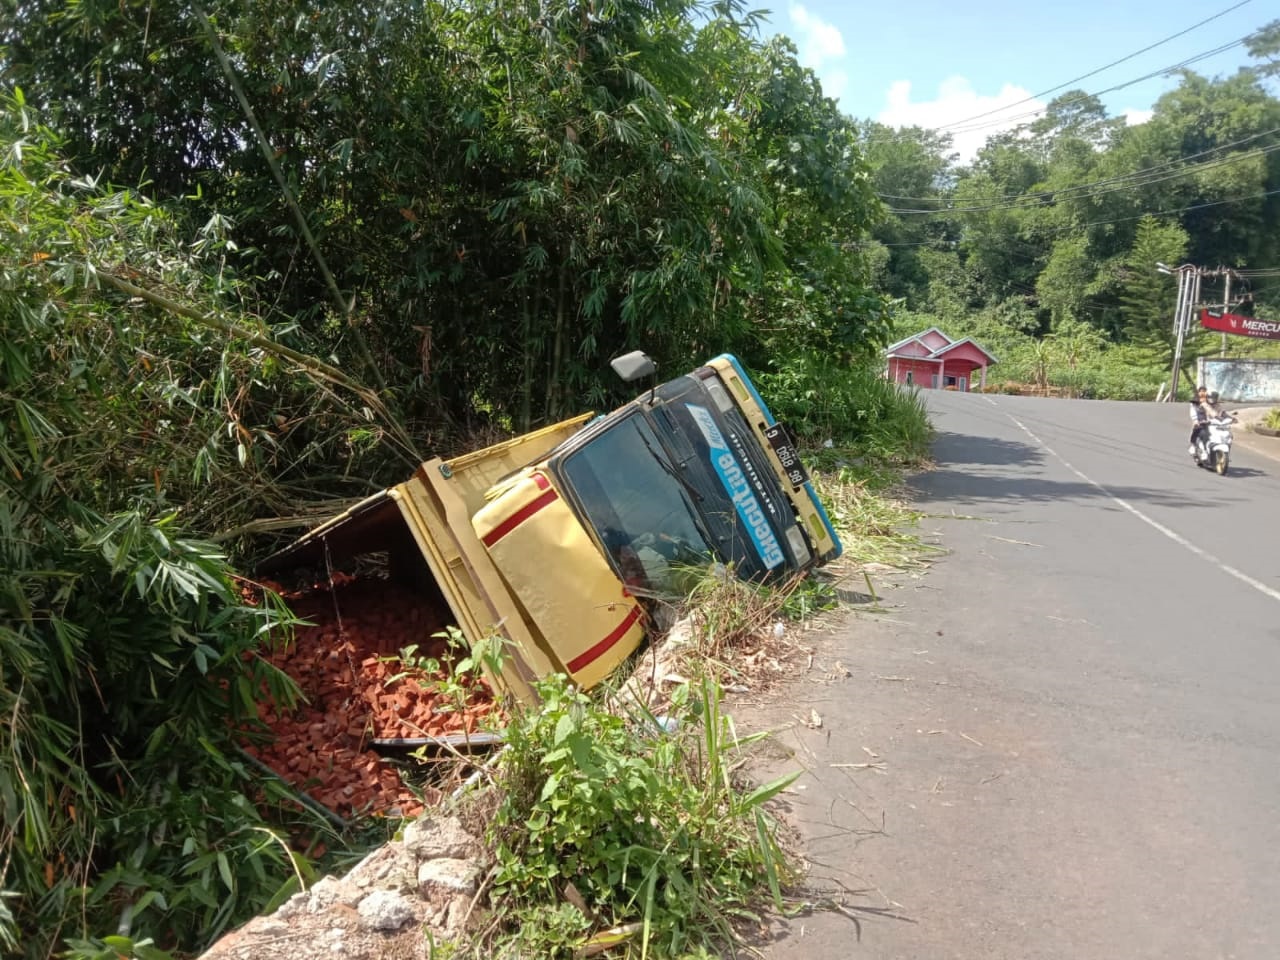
932	359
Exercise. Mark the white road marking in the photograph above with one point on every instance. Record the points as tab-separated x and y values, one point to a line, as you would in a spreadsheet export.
1173	535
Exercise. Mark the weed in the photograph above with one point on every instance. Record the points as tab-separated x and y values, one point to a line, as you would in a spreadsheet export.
811	597
412	663
648	827
1272	419
727	612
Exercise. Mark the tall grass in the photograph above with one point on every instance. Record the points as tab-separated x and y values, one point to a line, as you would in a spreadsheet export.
855	408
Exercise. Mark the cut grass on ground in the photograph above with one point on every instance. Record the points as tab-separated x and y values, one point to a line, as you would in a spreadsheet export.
867	505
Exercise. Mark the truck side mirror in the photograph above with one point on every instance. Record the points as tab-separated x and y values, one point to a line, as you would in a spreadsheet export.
635	365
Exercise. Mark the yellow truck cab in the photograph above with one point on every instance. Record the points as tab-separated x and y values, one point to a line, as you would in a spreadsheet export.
556	540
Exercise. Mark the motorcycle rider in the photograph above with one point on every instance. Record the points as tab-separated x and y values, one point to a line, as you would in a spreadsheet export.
1203	409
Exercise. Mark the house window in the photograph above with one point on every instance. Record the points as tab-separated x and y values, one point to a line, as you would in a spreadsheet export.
910	377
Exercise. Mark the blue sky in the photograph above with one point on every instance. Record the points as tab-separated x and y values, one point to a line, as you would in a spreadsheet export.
934	63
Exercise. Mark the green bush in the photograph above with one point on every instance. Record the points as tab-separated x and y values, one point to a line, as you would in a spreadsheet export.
128	657
641	817
852	407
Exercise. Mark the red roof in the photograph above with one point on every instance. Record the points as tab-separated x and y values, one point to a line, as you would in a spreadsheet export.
917	347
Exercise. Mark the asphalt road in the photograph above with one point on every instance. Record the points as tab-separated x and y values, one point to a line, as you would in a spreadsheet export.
1063	741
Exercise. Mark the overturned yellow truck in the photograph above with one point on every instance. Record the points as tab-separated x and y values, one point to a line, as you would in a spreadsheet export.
553	540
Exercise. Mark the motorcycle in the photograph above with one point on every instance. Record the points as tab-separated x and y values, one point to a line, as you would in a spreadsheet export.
1213	444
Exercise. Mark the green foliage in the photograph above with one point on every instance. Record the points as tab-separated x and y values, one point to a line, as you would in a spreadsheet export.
648	825
509	195
1063	284
1265	44
513	193
128	658
851	406
1147	297
1272	419
1064	218
811	597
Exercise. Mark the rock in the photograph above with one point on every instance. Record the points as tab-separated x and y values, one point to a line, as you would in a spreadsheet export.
436	915
391	867
430	838
447	877
385	910
293	906
656	667
456	914
268	927
329	891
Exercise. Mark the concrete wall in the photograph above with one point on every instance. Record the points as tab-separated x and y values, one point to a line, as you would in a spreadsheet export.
1241	381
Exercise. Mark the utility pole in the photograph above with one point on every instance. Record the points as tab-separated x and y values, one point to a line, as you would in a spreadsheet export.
1226	306
1188	295
1189	276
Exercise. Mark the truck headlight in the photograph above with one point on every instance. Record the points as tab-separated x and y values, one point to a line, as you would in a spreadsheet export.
720	395
799	549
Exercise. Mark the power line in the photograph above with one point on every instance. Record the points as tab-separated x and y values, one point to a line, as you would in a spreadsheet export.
1086	191
1196	58
1132	182
968	126
1105	181
1077	227
1114	63
1007	121
1168	213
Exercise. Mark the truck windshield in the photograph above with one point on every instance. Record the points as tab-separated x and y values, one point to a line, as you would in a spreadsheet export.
643	511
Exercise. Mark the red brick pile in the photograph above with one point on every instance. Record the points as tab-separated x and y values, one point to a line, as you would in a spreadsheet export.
357	688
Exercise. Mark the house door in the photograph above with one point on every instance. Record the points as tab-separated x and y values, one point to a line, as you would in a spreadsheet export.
962	384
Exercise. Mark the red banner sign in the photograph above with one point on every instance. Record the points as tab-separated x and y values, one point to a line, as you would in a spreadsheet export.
1239	325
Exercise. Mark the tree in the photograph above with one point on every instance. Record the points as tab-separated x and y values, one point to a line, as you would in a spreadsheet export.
509	195
1264	44
912	170
128	664
1063	283
1048	212
1148	298
816	183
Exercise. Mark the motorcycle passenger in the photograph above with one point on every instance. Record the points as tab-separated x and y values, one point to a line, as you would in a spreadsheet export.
1203	409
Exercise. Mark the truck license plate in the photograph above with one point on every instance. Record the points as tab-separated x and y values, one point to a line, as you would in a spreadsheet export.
779	438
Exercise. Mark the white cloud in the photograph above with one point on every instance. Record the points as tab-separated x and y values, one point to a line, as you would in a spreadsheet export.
958	109
816	40
834	82
820	46
1133	117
